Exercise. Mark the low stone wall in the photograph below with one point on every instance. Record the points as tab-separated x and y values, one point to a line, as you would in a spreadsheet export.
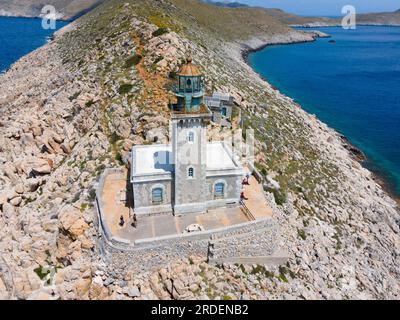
256	238
103	227
250	239
259	177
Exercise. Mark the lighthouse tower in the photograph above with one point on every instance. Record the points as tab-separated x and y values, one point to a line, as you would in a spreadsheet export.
190	117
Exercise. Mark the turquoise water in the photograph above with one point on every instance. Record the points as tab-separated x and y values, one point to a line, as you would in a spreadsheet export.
353	85
19	36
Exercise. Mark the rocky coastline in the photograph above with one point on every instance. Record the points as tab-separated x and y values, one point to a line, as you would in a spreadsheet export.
356	153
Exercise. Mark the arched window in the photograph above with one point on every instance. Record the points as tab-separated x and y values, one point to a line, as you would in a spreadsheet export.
219	190
190	172
190	137
157	196
189	84
223	111
181	83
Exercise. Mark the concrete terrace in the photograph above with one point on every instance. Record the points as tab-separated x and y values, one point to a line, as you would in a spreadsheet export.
163	225
115	202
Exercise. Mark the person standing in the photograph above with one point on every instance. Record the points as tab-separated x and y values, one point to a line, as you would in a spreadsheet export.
121	221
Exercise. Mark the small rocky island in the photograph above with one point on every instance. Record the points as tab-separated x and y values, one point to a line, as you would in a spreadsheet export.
74	109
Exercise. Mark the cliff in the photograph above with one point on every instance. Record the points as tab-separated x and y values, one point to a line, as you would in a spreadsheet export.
76	106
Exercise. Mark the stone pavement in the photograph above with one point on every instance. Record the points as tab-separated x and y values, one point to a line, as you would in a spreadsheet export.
162	225
115	203
256	203
114	200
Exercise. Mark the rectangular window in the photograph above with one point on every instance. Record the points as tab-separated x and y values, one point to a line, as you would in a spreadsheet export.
191	136
219	190
157	196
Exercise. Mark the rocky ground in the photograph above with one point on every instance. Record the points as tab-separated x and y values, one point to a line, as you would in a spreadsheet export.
77	105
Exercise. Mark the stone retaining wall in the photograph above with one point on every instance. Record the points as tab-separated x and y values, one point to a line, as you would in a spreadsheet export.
254	238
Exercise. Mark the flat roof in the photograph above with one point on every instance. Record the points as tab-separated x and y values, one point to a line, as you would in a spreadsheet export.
218	156
157	158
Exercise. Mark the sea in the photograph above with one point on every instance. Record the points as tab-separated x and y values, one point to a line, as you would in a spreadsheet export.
19	36
351	82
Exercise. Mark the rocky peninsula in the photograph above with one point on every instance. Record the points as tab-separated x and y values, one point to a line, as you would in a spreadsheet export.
77	105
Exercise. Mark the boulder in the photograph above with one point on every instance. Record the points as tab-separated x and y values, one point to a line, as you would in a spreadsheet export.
33	184
37	165
156	135
133	292
3	198
19	188
72	221
16	201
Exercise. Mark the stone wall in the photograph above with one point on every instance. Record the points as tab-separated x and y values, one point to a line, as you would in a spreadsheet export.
232	187
103	227
251	239
259	238
142	195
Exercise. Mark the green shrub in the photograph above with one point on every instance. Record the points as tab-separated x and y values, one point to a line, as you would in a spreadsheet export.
74	96
279	195
159	32
172	75
89	103
118	157
302	234
133	61
41	272
114	138
125	88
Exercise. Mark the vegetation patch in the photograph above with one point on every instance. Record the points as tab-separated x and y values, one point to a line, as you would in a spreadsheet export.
114	138
84	206
160	32
279	195
302	234
74	96
133	61
42	272
125	88
172	75
89	103
118	157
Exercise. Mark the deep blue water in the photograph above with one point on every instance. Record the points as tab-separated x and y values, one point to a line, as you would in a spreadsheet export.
353	85
19	36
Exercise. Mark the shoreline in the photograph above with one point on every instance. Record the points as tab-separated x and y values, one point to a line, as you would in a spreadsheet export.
355	153
35	17
316	26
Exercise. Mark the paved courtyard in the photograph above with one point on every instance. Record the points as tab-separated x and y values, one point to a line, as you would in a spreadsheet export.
163	225
256	202
116	204
114	198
